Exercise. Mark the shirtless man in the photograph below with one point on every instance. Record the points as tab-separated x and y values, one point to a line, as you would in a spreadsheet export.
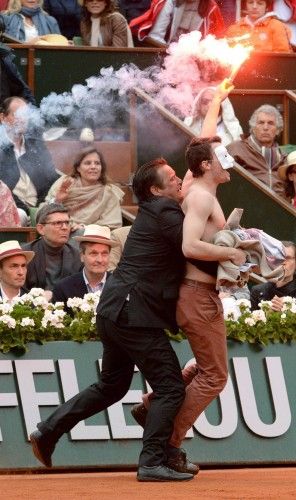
199	309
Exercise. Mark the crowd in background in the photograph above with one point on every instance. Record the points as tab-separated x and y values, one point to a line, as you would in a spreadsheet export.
271	24
87	197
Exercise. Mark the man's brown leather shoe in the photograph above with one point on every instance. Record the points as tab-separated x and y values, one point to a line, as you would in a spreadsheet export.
42	448
180	463
139	413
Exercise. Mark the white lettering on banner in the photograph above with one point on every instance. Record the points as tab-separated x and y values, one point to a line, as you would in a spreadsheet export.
281	405
31	400
229	416
70	389
8	398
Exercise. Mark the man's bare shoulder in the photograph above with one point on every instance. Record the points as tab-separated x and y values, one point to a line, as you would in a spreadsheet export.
198	196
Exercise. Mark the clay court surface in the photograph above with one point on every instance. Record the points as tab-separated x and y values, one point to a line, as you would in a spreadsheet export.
239	484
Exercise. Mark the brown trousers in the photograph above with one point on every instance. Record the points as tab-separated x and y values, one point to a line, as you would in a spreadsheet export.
200	316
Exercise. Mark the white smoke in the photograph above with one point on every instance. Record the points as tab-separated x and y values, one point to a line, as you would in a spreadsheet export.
190	64
103	101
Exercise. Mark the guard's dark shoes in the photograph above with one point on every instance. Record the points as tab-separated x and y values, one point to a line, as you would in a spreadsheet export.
42	448
139	413
161	473
180	463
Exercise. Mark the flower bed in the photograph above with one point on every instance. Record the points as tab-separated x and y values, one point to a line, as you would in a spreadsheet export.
31	318
262	325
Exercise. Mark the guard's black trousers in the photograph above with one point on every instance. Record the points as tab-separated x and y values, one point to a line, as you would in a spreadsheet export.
124	346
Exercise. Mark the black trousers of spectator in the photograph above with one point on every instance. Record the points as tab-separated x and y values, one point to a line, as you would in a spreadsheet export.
151	351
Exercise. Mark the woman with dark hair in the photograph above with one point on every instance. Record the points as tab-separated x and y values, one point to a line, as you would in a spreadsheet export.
87	194
267	33
102	25
287	173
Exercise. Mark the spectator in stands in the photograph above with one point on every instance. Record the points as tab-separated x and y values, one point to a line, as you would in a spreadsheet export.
11	81
87	194
276	291
266	32
9	215
166	20
13	269
25	163
259	153
67	13
287	173
102	25
55	257
119	236
228	126
27	21
95	245
133	8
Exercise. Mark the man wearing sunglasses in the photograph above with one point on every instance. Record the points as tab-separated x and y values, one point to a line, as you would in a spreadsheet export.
55	256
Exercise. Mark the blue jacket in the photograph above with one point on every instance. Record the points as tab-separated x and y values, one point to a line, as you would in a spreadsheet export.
14	25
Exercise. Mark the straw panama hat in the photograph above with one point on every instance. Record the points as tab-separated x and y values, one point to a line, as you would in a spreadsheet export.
97	234
12	247
290	160
52	39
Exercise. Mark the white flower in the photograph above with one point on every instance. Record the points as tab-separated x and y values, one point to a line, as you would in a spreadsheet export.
59	305
86	307
259	315
266	303
92	298
243	303
230	309
53	318
283	317
293	308
23	299
40	301
6	308
288	303
288	300
27	322
74	302
250	321
36	292
8	320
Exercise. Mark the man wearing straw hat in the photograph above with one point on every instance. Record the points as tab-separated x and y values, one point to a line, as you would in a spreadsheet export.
13	269
95	246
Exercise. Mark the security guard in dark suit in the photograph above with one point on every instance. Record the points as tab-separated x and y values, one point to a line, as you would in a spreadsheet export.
138	302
